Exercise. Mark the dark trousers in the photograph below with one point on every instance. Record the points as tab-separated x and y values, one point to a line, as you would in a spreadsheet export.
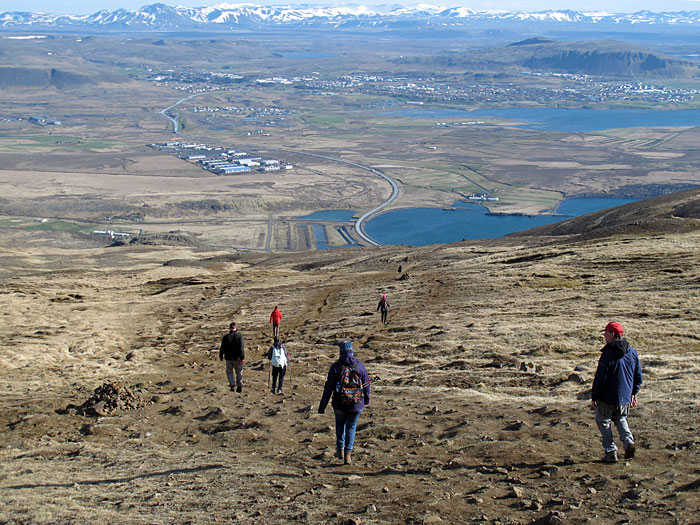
384	314
278	371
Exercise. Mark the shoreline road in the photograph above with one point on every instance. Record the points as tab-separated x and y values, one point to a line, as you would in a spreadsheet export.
359	223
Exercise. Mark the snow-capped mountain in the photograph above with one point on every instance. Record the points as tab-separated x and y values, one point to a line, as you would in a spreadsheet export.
224	16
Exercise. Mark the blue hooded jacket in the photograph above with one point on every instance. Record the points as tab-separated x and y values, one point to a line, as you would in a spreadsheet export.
619	374
334	377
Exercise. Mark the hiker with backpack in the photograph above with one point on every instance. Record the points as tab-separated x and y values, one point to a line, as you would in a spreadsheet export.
233	349
279	358
275	318
384	307
348	383
618	379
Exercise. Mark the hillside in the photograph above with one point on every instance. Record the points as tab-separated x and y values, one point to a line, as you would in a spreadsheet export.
603	58
479	408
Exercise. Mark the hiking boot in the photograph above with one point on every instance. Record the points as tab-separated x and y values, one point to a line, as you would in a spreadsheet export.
239	389
610	457
279	392
273	390
348	457
339	454
629	451
232	388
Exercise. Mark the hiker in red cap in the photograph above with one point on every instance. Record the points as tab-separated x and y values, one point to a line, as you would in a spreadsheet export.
384	307
618	379
275	318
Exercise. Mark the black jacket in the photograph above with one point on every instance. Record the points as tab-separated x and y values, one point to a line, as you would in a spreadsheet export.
232	347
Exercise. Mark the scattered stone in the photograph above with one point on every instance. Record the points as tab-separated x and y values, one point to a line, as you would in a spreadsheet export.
370	508
529	366
555	518
307	473
576	378
385	490
456	463
515	492
432	518
515	425
632	494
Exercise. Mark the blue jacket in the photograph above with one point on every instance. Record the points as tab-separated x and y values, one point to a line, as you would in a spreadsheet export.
619	374
332	381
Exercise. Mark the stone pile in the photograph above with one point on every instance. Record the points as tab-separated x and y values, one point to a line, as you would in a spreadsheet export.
107	399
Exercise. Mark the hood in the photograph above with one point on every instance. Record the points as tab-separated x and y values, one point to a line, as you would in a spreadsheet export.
349	360
618	347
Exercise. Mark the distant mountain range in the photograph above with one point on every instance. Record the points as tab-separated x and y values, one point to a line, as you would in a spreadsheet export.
162	17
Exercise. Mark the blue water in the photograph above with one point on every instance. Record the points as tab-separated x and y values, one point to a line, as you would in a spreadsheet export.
570	120
305	54
421	226
576	207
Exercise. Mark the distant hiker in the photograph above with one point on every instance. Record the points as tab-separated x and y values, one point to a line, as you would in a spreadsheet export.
617	381
233	349
275	318
279	358
384	307
348	382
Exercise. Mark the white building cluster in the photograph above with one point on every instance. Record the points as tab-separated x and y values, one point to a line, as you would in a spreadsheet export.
220	160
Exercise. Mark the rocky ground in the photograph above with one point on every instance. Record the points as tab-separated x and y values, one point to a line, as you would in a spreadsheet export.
115	407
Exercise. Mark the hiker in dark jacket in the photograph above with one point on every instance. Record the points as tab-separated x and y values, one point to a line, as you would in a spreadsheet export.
346	414
233	349
278	356
384	307
615	387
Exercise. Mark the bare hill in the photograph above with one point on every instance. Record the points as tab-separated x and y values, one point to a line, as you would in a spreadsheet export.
605	57
674	213
115	407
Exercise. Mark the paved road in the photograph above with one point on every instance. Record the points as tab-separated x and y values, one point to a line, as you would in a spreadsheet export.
359	223
176	128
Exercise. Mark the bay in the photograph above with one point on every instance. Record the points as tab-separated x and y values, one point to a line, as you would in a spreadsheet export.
559	119
466	220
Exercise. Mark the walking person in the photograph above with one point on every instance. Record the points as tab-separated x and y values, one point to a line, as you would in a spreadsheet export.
618	379
275	318
279	358
384	307
233	349
348	383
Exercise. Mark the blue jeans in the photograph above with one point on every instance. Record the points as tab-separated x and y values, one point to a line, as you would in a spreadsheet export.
345	426
605	415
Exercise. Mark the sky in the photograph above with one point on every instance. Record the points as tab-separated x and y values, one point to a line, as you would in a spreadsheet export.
81	7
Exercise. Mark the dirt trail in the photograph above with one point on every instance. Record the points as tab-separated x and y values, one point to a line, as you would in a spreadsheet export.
455	431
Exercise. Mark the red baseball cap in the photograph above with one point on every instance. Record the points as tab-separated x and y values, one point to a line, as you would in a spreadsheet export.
615	328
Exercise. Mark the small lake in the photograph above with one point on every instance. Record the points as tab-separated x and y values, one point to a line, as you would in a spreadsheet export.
570	120
467	220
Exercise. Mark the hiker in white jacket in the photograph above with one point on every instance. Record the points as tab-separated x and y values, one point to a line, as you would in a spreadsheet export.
278	359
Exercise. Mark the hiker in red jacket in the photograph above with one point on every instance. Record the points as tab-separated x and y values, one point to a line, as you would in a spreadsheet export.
275	318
